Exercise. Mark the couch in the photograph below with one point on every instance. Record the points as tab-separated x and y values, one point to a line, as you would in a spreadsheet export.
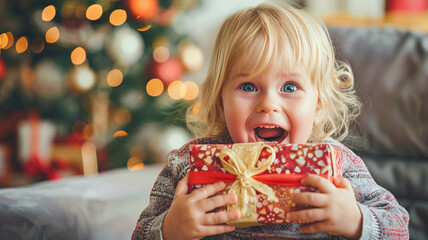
99	207
391	72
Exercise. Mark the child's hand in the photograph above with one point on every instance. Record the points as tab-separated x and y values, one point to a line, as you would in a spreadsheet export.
336	211
191	216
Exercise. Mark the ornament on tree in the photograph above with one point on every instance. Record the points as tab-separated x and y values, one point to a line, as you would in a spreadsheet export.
126	45
145	9
81	79
167	71
2	70
48	81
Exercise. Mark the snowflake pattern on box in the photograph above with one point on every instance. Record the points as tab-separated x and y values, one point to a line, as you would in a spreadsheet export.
301	159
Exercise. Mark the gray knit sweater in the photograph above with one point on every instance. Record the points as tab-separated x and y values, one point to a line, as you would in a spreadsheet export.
383	217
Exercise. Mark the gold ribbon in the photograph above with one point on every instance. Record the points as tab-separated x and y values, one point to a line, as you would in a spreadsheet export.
243	162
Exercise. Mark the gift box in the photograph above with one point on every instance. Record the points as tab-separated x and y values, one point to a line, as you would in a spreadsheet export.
264	176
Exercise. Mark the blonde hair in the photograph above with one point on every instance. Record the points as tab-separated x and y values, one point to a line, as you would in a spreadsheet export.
267	34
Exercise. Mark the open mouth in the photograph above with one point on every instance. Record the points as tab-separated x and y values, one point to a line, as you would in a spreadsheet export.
270	134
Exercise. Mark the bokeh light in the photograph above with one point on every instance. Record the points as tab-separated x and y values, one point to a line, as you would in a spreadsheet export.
191	56
3	40
196	108
161	54
27	75
6	40
37	45
145	28
94	12
52	35
21	45
138	151
78	56
114	78
118	17
177	90
154	87
48	13
78	130
119	134
192	90
90	131
122	116
85	78
145	9
135	163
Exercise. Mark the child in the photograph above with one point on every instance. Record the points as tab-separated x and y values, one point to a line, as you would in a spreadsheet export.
273	77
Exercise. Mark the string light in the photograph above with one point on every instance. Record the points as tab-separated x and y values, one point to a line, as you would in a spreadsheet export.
120	133
37	45
122	116
118	17
3	40
84	78
6	40
114	78
161	54
145	28
48	13
52	35
177	90
21	45
135	163
196	108
78	56
192	90
94	12
154	87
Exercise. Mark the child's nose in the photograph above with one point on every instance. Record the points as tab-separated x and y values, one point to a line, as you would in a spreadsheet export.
268	103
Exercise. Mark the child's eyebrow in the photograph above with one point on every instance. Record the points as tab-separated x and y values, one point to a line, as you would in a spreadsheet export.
243	74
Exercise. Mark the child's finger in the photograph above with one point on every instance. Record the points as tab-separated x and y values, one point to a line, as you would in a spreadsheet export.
221	200
306	215
324	185
182	186
217	229
208	190
313	227
311	199
341	182
221	217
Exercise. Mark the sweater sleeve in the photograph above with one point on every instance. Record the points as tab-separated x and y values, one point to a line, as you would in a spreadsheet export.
149	225
383	217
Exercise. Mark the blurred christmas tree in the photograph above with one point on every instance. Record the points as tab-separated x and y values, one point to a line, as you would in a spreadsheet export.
101	71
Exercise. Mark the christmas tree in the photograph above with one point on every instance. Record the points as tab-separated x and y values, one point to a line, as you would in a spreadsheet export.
108	72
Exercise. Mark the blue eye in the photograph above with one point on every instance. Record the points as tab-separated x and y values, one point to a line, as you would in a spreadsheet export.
289	87
248	87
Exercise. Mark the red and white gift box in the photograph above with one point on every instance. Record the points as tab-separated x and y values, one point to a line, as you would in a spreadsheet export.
264	176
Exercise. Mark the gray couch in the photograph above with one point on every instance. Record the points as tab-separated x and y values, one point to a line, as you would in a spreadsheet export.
391	74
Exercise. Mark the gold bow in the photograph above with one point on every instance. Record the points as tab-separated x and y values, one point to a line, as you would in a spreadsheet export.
243	158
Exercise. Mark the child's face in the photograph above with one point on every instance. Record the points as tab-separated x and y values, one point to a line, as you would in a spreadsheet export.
275	106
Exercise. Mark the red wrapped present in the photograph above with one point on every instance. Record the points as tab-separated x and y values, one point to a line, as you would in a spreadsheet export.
264	176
